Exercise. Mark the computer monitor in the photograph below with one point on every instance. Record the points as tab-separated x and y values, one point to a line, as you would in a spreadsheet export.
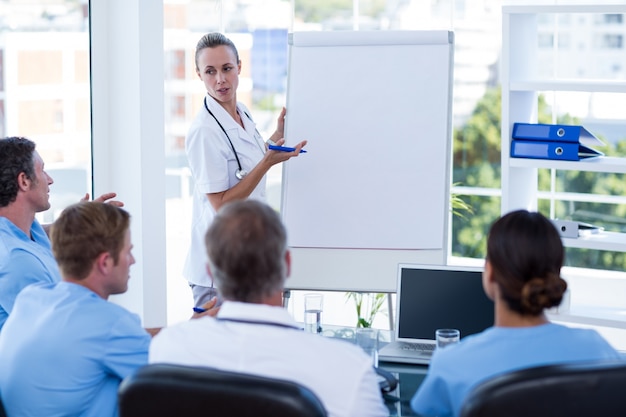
433	297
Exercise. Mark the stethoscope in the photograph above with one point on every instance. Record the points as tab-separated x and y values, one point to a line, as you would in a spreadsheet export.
240	173
261	322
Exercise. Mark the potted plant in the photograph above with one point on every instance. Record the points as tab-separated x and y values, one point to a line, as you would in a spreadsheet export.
367	306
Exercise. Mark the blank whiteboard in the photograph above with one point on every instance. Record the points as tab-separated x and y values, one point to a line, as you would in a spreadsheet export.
374	184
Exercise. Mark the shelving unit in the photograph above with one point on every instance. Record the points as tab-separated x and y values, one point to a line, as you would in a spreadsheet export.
521	85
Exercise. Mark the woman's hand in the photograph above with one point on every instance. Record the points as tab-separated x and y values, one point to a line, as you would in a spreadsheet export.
210	309
244	188
280	123
276	157
280	126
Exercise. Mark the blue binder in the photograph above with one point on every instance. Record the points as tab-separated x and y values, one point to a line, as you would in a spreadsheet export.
564	151
558	142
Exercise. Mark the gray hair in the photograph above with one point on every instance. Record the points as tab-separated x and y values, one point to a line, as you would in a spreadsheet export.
246	246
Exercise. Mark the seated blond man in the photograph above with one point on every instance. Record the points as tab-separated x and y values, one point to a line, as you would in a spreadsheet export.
64	349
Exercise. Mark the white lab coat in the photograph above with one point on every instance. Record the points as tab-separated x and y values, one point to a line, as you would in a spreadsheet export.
213	166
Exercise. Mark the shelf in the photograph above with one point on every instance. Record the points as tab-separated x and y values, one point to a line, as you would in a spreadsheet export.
565	8
590	86
607	164
608	241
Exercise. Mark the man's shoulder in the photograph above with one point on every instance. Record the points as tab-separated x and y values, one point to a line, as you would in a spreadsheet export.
14	242
20	267
8	235
109	319
113	311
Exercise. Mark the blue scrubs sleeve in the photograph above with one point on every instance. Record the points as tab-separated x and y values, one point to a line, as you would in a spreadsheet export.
23	269
127	346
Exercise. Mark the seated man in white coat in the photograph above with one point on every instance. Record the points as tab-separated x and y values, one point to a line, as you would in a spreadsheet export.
252	333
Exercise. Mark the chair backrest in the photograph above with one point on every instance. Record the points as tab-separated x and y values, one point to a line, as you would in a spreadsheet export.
584	389
2	412
173	390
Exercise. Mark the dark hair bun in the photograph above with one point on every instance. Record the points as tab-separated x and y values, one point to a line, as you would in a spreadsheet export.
539	294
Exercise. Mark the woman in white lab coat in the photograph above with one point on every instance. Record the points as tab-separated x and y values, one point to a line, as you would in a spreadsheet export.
227	155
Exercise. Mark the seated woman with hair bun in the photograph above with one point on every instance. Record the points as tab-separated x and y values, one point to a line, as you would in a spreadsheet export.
522	277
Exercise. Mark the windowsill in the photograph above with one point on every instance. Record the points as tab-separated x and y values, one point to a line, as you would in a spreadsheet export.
592	315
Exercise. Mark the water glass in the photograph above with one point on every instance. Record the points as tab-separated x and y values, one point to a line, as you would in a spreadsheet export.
447	337
367	339
313	306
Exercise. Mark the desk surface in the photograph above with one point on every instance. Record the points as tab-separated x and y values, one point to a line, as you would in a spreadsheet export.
409	379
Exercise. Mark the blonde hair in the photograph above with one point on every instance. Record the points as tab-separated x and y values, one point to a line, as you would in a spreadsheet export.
83	232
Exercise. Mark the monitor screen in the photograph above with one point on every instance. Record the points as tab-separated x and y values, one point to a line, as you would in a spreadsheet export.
436	297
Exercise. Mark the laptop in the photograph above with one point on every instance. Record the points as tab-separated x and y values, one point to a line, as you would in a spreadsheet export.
431	297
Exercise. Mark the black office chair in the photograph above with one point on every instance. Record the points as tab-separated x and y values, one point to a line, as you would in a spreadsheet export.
584	389
2	412
160	390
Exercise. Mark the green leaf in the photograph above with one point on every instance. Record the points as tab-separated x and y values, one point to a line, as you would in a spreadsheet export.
363	323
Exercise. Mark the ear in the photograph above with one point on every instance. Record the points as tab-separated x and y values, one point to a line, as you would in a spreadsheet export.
488	272
239	68
198	74
104	262
288	263
489	284
23	182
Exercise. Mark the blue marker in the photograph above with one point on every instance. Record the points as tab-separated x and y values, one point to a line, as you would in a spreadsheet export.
284	148
199	310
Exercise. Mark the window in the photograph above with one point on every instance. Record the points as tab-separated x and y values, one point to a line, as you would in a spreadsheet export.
44	91
260	32
175	65
546	40
611	19
612	41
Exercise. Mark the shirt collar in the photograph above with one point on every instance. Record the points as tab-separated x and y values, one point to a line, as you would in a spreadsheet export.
222	115
38	234
256	312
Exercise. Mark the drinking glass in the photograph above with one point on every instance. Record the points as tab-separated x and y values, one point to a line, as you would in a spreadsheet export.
367	339
447	337
313	306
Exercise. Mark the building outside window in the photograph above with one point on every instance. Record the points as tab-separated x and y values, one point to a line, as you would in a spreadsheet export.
44	90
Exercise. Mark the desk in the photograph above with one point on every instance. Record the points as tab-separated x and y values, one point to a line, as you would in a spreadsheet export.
409	379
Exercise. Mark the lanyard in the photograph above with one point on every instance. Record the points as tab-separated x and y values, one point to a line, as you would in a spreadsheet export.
264	323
